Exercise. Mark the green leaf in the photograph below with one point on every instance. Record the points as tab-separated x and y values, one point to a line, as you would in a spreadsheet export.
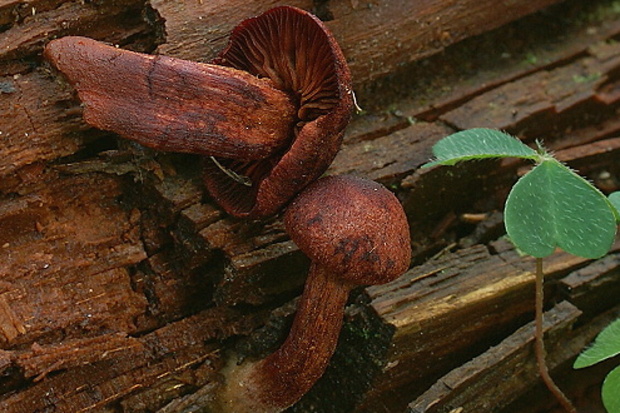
614	199
611	391
551	206
606	345
479	143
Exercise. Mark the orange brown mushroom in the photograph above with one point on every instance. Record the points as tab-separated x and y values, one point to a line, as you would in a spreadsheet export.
355	232
268	115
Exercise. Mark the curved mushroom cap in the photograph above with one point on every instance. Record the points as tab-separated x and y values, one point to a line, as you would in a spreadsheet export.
299	55
175	105
353	227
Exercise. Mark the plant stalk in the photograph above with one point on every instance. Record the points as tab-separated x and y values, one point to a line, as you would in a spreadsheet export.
539	343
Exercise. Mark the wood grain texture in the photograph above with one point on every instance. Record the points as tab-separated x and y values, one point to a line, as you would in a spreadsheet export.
448	308
376	37
122	283
498	371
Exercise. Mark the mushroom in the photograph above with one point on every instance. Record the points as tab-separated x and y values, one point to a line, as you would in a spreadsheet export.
298	53
355	232
269	113
175	105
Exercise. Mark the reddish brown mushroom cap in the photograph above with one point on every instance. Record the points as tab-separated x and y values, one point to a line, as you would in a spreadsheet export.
355	232
173	104
353	227
299	55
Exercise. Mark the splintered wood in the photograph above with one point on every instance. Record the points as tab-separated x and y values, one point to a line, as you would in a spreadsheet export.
45	295
492	370
123	286
375	37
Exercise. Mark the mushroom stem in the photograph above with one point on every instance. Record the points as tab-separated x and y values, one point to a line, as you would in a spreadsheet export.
356	233
176	105
281	379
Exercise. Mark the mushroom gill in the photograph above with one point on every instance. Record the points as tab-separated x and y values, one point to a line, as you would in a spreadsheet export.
295	50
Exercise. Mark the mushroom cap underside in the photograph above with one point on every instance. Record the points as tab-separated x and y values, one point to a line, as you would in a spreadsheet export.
297	52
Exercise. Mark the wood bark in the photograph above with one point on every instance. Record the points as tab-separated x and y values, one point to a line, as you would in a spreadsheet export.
496	377
124	287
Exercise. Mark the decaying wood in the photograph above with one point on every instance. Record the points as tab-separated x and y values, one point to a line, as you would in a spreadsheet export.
123	284
507	370
176	357
89	293
447	310
376	37
496	376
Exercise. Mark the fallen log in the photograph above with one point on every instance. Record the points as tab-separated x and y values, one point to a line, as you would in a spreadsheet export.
123	285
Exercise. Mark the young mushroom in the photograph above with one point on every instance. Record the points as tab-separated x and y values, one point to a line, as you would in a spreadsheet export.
269	113
355	232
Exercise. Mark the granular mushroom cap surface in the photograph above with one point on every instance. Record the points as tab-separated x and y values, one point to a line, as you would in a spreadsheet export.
354	227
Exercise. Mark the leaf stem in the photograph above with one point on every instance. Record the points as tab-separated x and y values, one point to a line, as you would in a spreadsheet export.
540	343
